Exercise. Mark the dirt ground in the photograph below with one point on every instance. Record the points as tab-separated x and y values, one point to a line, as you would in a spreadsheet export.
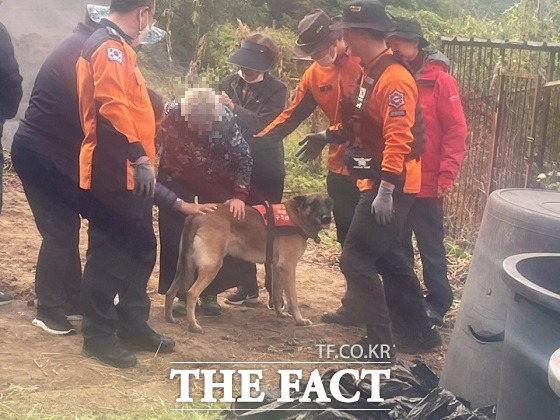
44	374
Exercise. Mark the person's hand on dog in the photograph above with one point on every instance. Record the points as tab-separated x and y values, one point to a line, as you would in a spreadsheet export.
382	206
226	100
311	146
237	207
194	208
144	177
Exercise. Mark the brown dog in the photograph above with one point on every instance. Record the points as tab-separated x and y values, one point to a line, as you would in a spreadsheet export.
208	238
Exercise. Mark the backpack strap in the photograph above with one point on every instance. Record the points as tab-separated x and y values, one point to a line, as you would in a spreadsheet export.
364	91
363	95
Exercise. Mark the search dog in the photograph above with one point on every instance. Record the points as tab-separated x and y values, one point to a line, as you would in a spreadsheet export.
208	238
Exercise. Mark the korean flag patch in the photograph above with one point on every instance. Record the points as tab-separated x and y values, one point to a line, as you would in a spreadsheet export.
114	54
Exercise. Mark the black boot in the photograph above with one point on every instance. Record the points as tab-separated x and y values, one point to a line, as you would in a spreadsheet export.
147	340
341	316
416	341
112	353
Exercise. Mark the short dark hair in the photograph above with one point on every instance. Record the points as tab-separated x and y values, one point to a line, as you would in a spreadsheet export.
125	6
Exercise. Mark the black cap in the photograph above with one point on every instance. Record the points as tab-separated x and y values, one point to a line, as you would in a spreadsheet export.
124	6
314	34
369	14
409	28
253	56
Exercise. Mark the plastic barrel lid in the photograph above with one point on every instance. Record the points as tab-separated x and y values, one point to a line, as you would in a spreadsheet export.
541	201
535	210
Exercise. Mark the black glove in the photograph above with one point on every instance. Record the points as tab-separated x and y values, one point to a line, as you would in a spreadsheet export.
144	179
311	146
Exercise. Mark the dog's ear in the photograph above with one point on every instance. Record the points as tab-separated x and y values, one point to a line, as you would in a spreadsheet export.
300	200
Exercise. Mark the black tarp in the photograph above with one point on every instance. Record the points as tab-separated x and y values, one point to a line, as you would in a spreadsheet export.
412	393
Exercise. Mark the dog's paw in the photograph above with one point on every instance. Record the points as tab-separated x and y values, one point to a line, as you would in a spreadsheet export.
304	322
281	314
195	328
171	319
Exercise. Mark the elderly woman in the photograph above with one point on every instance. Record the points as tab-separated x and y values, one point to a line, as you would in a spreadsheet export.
204	156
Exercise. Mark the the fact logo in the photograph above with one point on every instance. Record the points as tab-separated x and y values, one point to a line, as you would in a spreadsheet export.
248	380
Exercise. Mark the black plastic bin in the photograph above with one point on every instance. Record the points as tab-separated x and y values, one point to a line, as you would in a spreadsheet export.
515	221
532	336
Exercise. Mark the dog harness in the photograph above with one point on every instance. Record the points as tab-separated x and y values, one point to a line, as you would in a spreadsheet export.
277	222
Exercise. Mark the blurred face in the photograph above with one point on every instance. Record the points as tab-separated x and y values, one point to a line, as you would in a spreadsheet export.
325	57
201	127
249	74
354	38
408	48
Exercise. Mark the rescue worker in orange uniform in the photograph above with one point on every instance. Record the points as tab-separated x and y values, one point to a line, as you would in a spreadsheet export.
331	76
385	160
117	160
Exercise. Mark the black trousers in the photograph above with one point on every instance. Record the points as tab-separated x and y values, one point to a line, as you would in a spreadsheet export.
343	190
120	258
53	198
367	247
425	219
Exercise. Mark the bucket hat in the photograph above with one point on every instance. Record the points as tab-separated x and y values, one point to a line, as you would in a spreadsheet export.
314	34
368	14
409	28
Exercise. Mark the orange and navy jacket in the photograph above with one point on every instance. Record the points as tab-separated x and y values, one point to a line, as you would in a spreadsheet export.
115	111
323	87
392	107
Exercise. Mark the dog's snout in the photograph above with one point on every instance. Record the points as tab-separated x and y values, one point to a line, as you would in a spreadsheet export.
325	220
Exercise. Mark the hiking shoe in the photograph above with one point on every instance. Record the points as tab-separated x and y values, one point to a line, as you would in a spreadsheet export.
209	305
54	325
113	355
367	350
73	311
179	309
341	316
74	317
5	299
240	297
147	341
419	342
434	316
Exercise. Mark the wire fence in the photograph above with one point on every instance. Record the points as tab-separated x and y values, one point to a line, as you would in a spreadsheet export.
512	107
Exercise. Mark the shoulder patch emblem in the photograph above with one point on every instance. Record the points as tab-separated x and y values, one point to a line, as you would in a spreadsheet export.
396	99
114	54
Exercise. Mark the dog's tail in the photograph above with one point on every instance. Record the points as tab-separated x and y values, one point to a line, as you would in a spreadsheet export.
185	262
